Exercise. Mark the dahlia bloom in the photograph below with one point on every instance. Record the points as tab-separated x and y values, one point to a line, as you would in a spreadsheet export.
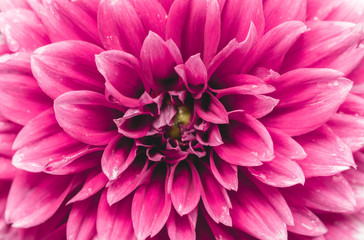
186	119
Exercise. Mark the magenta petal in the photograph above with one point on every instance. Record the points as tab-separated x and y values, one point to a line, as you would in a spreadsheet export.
148	212
34	198
354	104
350	128
86	116
66	66
255	105
81	223
225	173
214	197
246	141
180	227
6	142
128	181
305	222
236	18
114	222
42	142
184	187
7	170
277	12
124	25
327	154
272	48
210	109
122	73
195	27
118	155
287	146
331	194
194	75
94	182
22	30
253	214
308	98
280	172
159	59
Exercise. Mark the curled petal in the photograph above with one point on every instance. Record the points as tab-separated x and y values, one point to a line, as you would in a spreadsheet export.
134	124
210	109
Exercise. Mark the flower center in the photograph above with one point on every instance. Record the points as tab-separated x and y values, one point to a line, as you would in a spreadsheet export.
182	118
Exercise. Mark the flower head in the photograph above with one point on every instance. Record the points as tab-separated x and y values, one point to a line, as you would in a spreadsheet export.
186	119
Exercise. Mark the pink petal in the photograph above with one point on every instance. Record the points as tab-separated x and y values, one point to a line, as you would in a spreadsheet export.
166	4
325	41
343	226
159	59
69	20
327	154
214	197
22	30
118	155
86	116
81	223
10	4
210	109
128	181
34	198
210	138
125	24
236	18
246	141
6	142
272	48
114	222
308	98
194	75
122	73
42	142
331	194
353	105
184	187
277	12
180	227
66	66
253	214
195	27
255	105
280	172
305	221
7	170
94	182
225	173
350	128
149	213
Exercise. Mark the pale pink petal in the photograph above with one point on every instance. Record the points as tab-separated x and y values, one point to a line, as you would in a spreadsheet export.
225	173
151	204
10	4
122	73
327	154
67	66
343	226
287	146
35	197
180	227
246	141
118	155
124	24
210	109
114	222
81	223
86	116
307	99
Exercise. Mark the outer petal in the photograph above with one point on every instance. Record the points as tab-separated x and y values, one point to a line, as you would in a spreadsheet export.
66	66
341	226
81	223
10	4
122	73
148	212
86	116
225	173
286	146
118	155
114	222
23	30
7	170
33	198
124	24
327	154
69	20
195	27
308	98
180	227
279	11
246	141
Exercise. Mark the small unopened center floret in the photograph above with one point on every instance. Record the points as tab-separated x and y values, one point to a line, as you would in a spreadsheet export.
182	117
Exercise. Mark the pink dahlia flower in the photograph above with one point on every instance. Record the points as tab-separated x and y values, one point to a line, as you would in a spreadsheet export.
186	119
